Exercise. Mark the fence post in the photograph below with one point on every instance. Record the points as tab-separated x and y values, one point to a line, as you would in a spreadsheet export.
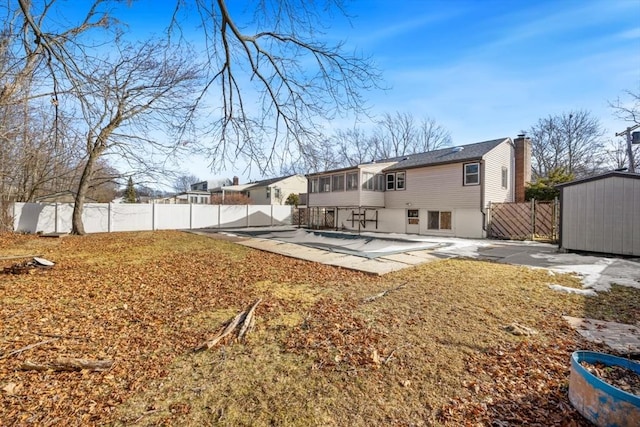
533	219
153	217
55	218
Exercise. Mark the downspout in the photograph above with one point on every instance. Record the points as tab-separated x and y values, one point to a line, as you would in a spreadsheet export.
482	210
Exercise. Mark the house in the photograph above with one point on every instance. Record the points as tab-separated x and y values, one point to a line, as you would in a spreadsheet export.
601	214
273	191
443	192
186	197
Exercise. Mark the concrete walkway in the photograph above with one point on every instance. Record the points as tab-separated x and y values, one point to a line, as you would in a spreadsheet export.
378	266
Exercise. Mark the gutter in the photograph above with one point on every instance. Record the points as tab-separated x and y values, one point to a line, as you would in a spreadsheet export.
482	211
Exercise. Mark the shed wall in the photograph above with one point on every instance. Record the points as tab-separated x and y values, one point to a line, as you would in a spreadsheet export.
602	216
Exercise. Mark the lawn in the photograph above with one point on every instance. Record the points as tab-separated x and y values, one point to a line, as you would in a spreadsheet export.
432	351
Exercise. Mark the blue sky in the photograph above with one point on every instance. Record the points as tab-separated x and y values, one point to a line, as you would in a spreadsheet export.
487	69
482	69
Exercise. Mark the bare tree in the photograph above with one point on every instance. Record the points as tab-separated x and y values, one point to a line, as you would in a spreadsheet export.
353	146
616	154
273	77
400	134
276	79
315	157
627	110
183	182
396	135
571	142
431	136
146	87
38	153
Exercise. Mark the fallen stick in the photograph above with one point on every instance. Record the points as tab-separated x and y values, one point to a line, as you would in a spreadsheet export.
215	340
28	347
249	320
243	320
383	293
65	364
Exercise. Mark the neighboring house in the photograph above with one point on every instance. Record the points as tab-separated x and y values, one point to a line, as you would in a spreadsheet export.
601	214
211	185
272	191
442	192
192	196
66	196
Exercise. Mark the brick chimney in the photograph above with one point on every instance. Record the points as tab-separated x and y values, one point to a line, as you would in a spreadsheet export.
522	166
236	180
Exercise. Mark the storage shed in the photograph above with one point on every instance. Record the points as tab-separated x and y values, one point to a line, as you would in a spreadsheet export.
601	214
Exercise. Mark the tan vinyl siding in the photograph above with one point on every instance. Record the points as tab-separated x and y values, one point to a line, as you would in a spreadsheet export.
602	216
494	161
296	184
435	188
351	197
372	198
338	198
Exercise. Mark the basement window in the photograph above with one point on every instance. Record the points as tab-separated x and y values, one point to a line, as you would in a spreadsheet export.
439	220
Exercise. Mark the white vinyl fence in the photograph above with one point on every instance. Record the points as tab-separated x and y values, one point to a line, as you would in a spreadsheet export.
110	217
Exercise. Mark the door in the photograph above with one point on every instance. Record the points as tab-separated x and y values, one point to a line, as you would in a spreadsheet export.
413	221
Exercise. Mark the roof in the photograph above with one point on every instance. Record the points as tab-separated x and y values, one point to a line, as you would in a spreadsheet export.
601	176
457	154
354	167
263	183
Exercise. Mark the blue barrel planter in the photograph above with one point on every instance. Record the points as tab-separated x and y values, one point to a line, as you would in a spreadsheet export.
600	402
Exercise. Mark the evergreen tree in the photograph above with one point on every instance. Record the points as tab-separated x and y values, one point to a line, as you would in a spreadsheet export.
544	189
130	193
293	200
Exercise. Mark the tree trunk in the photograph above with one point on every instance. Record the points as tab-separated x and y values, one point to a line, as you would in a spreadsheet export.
77	226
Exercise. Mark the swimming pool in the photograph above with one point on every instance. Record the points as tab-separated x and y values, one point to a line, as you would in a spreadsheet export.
366	246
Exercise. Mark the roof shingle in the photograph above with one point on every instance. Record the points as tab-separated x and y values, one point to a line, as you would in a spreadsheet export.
458	154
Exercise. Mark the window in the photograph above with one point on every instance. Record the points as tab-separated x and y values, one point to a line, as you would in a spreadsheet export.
400	180
445	220
379	182
276	193
396	181
325	184
314	185
437	220
337	183
391	181
352	181
367	181
472	174
413	216
505	177
268	192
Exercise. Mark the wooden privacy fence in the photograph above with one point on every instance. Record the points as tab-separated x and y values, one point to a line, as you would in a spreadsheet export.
532	220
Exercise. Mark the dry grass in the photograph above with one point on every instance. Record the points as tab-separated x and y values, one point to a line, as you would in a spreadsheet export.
319	355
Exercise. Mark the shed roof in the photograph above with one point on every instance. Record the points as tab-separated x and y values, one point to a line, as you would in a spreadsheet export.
601	176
